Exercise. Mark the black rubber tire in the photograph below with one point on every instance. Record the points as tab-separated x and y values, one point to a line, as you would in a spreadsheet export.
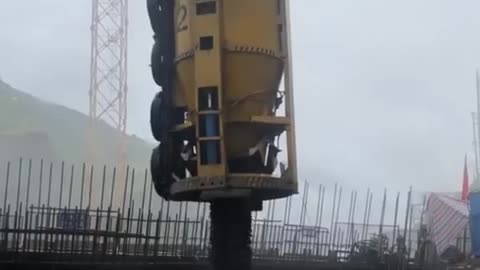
159	67
231	233
153	8
164	162
159	118
161	13
160	183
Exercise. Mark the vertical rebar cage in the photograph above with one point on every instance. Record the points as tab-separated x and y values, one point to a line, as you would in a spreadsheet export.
72	209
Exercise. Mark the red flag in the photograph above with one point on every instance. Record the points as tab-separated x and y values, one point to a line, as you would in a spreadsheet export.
465	181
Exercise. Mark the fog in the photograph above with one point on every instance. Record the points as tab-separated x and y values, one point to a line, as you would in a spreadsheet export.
384	91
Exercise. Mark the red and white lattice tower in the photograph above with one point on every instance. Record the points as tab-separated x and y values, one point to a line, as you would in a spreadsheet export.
108	74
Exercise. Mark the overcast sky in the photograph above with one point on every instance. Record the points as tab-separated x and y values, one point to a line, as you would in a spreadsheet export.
384	89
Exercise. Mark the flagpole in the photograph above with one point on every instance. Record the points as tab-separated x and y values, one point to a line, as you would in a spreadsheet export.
465	182
475	143
477	137
465	195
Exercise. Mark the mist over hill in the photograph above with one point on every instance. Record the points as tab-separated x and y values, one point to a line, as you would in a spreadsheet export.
33	128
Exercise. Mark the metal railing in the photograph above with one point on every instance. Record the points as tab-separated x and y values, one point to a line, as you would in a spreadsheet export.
90	212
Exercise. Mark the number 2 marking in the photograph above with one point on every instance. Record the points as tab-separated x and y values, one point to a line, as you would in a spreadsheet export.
181	19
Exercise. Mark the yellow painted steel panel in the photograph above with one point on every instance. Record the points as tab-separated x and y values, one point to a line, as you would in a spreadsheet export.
251	64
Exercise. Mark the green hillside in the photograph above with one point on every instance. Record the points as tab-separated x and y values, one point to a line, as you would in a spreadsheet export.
66	129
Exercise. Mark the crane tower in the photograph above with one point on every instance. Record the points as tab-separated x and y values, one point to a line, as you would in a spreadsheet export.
226	99
108	75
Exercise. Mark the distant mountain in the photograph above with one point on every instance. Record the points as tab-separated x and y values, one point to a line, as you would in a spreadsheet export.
33	128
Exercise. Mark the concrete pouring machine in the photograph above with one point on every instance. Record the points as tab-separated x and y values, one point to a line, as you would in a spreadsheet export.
226	99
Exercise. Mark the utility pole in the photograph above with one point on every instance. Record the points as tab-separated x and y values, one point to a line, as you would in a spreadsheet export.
476	128
475	142
108	79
